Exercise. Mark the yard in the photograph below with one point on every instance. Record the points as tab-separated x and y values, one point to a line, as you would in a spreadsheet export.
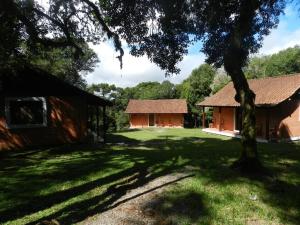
71	183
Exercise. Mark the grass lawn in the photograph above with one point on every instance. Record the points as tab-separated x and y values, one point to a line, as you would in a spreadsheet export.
71	183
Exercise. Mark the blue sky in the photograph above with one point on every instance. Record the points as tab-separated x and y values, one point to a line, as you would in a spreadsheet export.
136	70
291	17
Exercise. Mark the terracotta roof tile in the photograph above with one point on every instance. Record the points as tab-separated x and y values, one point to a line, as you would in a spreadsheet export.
157	106
269	91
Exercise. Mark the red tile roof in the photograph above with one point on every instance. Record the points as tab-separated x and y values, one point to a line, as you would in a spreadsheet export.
157	106
269	91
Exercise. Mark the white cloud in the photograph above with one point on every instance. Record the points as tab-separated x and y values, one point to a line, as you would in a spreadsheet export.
280	39
135	69
286	35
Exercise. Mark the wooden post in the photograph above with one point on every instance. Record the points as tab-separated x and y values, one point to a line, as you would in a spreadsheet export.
220	122
267	124
87	117
97	121
203	117
104	124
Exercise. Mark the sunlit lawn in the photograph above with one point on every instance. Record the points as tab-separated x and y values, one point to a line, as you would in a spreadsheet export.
71	183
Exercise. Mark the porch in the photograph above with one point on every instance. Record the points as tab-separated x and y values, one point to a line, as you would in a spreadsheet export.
97	122
230	133
227	121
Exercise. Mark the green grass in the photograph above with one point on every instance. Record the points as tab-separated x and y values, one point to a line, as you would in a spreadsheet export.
71	183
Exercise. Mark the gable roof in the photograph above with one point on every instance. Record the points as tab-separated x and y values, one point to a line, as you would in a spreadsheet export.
157	106
269	91
31	81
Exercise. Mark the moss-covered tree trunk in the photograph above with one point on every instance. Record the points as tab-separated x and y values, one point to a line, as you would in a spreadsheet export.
248	161
234	59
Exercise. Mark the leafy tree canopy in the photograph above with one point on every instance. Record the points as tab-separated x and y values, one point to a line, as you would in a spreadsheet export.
28	35
160	29
282	63
103	90
197	85
61	63
220	80
154	90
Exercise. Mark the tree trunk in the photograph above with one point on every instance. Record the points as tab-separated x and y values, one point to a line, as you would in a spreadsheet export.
235	57
248	161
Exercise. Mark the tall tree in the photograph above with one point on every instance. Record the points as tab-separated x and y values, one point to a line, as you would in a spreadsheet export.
167	90
196	87
146	90
61	62
220	80
20	21
103	90
154	90
230	30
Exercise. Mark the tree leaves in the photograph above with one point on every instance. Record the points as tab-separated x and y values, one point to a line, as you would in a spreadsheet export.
282	63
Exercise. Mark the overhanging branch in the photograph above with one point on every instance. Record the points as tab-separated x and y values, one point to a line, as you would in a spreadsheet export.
106	29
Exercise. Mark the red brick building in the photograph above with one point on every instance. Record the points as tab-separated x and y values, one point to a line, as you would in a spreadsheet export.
277	108
37	108
157	113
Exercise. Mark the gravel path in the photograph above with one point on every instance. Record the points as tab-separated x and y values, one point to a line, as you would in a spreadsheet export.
133	208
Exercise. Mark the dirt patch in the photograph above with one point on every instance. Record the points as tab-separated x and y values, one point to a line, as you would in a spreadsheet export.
139	206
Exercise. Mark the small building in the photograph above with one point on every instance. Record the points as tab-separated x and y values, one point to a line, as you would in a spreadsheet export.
157	113
37	109
277	109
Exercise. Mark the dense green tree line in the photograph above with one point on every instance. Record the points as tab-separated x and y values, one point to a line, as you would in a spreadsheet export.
282	63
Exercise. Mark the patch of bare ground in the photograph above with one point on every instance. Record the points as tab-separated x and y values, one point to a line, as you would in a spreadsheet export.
139	206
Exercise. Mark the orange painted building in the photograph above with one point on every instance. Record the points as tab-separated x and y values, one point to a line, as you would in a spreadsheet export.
39	109
156	113
277	109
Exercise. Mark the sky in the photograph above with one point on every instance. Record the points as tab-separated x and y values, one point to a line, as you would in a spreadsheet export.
136	70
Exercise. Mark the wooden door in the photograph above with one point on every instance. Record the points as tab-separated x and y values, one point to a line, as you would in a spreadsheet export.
151	120
238	119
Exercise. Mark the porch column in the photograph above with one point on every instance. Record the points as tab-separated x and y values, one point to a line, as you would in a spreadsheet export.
267	124
129	115
220	123
104	123
203	117
97	121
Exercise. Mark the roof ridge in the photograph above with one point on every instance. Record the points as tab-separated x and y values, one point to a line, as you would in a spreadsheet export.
274	77
266	90
158	99
266	78
157	106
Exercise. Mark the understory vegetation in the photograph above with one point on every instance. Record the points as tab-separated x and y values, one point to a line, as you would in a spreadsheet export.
71	183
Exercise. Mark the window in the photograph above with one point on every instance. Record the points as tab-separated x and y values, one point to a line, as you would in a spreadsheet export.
26	112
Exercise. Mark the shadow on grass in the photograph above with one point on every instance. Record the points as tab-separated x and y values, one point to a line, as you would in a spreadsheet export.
170	209
36	180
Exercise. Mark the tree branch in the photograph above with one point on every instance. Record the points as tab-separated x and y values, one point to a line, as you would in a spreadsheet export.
62	26
110	34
